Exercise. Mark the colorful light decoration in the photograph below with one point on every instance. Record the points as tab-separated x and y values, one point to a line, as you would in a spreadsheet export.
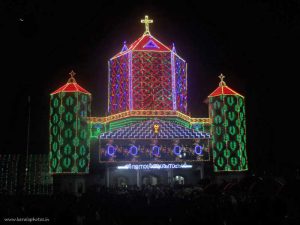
147	21
144	151
154	166
38	180
147	100
155	150
144	130
227	112
148	79
133	150
143	113
177	150
198	149
111	150
69	130
156	128
9	166
135	84
30	175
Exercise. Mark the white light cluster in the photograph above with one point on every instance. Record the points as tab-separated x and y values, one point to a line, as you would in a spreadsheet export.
154	166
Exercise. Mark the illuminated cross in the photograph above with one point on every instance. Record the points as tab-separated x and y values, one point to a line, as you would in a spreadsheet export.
146	21
72	79
72	73
222	83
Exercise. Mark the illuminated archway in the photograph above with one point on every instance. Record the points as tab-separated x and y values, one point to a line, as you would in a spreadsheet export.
178	179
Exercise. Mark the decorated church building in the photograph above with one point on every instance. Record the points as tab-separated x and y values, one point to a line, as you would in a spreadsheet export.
147	136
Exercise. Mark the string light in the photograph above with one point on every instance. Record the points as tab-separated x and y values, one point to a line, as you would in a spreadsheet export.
9	178
145	130
155	150
133	150
177	150
111	150
149	113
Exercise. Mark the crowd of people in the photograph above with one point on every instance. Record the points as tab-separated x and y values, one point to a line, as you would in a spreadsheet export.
252	200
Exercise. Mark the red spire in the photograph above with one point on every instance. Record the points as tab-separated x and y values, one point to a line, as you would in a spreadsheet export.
71	86
223	89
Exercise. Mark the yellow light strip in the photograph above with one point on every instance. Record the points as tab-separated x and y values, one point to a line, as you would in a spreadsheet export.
145	113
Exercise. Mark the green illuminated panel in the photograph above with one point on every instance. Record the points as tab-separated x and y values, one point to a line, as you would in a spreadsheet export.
228	131
69	132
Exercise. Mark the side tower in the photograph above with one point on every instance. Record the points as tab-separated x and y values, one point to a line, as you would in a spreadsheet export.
70	105
228	129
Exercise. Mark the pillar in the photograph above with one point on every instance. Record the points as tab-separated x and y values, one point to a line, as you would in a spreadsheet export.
170	176
107	176
138	178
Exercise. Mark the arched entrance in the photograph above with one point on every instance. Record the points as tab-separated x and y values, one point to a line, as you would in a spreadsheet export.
122	181
178	179
150	180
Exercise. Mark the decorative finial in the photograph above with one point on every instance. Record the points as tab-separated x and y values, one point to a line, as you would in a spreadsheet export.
173	48
146	21
72	79
124	48
222	83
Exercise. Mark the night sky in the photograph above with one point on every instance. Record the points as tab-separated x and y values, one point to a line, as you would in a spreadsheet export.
255	44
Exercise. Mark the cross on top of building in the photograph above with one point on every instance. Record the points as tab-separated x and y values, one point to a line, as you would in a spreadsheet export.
147	21
222	82
72	79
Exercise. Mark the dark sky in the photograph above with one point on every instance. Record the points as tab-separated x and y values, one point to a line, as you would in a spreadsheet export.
254	43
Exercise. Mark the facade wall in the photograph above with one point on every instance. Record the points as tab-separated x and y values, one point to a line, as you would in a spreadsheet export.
151	80
121	151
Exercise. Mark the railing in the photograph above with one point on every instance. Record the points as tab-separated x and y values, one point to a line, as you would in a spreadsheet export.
146	113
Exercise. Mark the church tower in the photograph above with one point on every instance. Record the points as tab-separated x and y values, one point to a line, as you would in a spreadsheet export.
228	129
147	75
70	105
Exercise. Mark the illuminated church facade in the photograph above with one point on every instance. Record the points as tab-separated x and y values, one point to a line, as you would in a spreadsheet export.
147	136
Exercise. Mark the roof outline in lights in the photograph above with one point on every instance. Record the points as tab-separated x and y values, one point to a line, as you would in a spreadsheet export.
138	45
223	89
71	86
144	130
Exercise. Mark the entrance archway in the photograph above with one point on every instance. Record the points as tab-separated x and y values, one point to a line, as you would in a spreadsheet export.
150	180
122	181
178	179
